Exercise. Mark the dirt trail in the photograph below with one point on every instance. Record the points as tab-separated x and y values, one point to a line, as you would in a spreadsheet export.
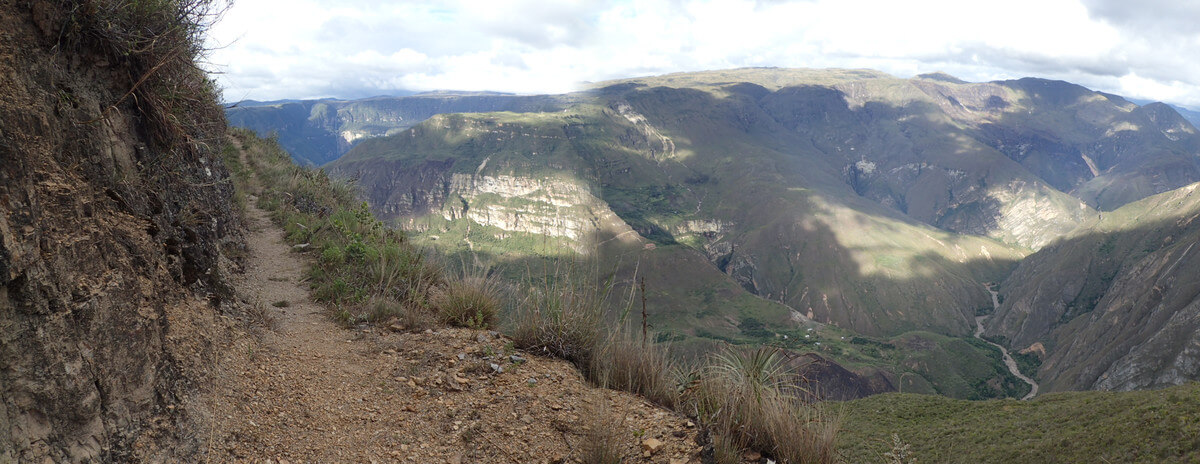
1008	359
312	391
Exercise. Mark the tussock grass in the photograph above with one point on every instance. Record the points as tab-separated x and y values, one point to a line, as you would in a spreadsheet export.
602	443
561	318
623	362
469	301
564	317
746	400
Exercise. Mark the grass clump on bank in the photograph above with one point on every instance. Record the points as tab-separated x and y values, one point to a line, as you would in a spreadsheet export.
745	400
469	301
160	42
748	400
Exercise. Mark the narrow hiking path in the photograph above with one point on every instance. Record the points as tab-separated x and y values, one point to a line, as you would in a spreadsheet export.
1008	359
312	391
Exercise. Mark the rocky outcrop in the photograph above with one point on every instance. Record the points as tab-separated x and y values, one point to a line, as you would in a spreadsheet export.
539	206
111	226
551	206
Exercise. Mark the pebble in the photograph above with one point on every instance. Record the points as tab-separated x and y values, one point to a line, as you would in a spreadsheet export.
651	446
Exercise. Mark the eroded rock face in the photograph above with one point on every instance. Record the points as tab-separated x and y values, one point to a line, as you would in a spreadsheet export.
108	241
543	206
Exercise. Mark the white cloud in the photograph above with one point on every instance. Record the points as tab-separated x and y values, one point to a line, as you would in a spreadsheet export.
305	48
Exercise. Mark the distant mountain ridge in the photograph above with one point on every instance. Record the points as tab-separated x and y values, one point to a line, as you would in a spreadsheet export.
762	201
316	132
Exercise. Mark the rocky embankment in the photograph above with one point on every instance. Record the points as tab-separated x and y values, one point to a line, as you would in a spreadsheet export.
112	222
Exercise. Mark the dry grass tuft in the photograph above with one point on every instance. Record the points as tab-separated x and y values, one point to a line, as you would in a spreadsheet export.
622	362
560	319
258	316
745	400
602	442
471	301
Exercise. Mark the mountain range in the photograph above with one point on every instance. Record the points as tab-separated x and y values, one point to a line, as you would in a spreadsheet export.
845	212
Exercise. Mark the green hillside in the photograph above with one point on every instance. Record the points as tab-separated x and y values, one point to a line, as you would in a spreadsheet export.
1159	426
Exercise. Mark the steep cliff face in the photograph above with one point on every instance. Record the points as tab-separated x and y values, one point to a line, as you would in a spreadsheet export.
499	191
111	222
1116	305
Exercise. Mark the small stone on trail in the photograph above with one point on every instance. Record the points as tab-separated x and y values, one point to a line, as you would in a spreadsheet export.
516	359
497	368
651	445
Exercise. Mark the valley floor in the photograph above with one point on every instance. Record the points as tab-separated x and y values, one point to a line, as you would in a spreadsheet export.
312	391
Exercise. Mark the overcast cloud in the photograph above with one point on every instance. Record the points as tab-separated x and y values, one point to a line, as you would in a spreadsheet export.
276	49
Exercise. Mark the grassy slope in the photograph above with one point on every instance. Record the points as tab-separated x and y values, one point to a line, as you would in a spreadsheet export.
1146	426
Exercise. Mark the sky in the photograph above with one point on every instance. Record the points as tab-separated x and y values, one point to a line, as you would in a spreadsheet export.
285	49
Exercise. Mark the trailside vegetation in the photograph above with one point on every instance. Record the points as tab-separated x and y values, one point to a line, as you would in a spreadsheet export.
369	273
